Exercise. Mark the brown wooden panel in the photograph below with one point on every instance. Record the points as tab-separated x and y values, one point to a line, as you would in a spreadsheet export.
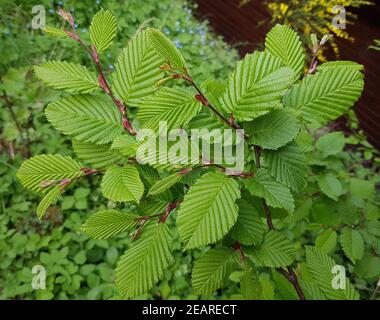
243	27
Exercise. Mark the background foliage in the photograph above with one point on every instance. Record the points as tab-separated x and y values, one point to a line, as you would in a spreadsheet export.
314	16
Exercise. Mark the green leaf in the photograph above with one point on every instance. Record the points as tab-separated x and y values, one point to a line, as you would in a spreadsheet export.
275	251
165	183
368	267
249	228
301	212
122	184
125	144
137	70
373	227
250	286
205	120
321	266
284	289
98	156
330	144
47	201
326	241
211	270
108	223
55	32
273	130
362	189
276	195
86	118
284	43
150	206
326	95
352	244
140	268
208	211
256	86
102	30
330	186
312	291
47	167
341	64
288	166
167	50
214	90
67	76
324	213
175	106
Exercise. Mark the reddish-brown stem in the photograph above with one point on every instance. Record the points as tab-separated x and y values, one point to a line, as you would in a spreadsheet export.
162	218
244	175
257	150
139	230
289	275
313	64
168	210
184	171
202	98
67	181
199	96
268	215
237	247
292	278
102	79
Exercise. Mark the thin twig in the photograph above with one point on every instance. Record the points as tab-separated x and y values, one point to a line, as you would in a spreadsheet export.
268	215
9	105
373	296
292	278
208	104
101	78
289	275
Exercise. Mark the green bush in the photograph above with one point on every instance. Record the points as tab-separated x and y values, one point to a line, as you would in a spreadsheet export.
338	211
279	212
85	268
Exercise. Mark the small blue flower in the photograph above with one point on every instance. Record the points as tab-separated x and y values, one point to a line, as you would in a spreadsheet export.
177	43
